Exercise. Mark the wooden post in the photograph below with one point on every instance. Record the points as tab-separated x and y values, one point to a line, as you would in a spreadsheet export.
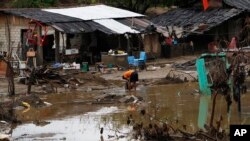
57	42
39	55
239	96
128	45
8	36
213	109
10	78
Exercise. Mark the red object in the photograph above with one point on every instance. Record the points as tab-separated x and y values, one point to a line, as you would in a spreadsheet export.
3	68
32	36
169	41
232	44
205	4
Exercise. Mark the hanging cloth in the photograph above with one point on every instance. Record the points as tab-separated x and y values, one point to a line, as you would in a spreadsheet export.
232	44
169	41
205	4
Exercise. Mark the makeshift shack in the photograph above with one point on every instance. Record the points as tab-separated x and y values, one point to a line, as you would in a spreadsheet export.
77	34
200	26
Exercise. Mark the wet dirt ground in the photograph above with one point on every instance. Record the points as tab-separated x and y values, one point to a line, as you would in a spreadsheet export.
72	118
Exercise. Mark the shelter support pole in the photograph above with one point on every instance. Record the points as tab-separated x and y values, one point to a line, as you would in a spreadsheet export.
119	41
239	96
8	35
213	109
39	55
128	45
57	42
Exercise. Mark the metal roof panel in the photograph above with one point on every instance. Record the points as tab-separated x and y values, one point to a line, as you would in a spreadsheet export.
116	26
189	19
241	4
39	15
94	12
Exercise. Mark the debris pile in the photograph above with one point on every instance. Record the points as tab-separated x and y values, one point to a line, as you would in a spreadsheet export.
51	79
7	109
158	130
189	65
217	71
7	112
177	76
32	100
116	98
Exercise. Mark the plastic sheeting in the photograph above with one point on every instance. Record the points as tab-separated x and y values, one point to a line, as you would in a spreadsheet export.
94	12
116	26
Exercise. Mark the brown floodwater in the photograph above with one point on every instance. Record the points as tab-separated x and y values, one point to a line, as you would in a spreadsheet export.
71	117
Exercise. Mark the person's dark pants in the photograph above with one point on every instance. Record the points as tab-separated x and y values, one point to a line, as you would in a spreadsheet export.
134	77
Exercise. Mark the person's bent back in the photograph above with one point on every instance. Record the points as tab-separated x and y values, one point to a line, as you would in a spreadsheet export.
131	76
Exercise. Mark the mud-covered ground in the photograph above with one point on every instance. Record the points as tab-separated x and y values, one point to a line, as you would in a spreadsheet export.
156	72
97	88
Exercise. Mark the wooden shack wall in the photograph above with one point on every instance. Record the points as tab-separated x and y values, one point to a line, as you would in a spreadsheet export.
10	30
152	45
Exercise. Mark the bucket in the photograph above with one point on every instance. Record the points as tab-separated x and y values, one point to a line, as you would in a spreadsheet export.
85	67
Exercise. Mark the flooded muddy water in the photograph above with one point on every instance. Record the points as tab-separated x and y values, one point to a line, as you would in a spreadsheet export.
70	117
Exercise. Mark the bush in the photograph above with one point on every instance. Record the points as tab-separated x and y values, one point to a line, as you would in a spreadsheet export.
33	3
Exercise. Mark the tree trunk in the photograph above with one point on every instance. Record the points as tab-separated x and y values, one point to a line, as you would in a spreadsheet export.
10	78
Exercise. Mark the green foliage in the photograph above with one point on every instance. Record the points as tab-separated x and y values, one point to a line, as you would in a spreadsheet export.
33	3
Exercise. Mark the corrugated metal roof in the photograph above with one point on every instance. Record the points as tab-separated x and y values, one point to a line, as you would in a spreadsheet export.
39	15
116	26
60	22
94	12
70	24
133	23
141	25
191	19
72	27
241	4
80	27
96	26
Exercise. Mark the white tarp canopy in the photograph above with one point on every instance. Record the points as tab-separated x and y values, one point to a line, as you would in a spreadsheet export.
116	26
94	12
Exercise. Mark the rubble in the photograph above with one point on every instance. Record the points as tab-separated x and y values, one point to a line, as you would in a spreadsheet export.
7	108
56	80
7	112
159	130
189	65
51	80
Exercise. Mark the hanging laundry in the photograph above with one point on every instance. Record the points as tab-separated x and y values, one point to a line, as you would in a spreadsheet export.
232	44
169	41
205	4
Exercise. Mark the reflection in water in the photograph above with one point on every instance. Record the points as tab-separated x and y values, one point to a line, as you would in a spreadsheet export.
83	127
176	104
203	110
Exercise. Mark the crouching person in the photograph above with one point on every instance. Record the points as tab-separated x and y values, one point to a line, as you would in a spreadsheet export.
132	77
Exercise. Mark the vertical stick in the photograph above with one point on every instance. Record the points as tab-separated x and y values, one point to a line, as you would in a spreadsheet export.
239	100
213	109
57	41
39	55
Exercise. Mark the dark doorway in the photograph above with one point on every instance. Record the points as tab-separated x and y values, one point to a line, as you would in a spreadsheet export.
49	49
23	44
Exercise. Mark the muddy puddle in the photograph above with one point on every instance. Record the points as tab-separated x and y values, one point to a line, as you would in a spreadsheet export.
70	117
